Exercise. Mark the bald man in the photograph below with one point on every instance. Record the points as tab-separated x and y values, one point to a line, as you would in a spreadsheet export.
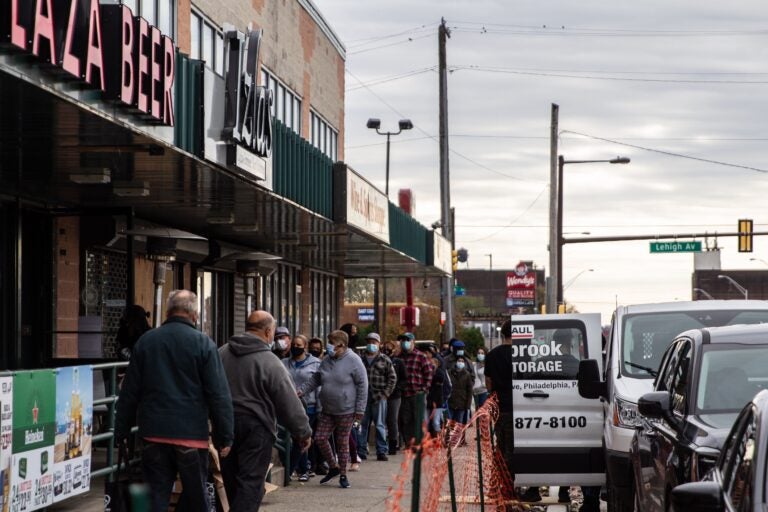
262	395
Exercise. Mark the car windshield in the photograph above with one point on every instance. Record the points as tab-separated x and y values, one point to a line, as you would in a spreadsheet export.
647	335
730	376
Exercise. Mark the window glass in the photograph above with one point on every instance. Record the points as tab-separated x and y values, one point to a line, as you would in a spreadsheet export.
681	374
297	115
279	101
132	5
208	45
272	85
288	109
165	17
148	11
646	336
219	53
739	472
195	35
730	376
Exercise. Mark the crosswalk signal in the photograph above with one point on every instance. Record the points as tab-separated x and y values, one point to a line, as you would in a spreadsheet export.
455	259
745	235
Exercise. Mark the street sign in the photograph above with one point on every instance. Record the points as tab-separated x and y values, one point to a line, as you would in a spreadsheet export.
683	246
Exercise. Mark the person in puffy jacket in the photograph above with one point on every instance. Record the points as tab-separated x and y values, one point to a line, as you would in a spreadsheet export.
461	395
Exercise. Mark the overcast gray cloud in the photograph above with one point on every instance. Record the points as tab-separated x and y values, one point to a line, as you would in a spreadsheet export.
678	77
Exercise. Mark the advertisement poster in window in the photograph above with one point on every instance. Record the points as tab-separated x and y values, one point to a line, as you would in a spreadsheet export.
34	427
6	434
74	427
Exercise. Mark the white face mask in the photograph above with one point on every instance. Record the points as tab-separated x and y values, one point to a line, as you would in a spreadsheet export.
459	352
460	365
282	344
481	357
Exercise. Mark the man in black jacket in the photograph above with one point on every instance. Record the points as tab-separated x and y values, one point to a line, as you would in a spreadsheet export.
263	396
174	384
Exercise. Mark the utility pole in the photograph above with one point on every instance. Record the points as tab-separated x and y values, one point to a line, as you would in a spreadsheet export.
554	228
445	182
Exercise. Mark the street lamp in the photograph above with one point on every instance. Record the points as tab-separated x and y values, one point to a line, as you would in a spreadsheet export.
704	293
375	124
571	280
737	285
760	260
557	233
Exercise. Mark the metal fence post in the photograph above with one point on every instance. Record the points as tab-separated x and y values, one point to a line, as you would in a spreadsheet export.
416	482
451	483
479	464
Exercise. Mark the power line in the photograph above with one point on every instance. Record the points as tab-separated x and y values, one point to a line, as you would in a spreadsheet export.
515	220
562	30
669	153
408	40
368	40
392	78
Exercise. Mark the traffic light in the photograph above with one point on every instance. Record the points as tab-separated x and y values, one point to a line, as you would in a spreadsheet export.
745	235
455	259
463	255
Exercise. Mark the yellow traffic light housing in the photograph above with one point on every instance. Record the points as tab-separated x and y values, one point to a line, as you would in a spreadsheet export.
455	259
745	235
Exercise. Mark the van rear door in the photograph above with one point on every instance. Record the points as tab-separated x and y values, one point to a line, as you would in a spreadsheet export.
558	434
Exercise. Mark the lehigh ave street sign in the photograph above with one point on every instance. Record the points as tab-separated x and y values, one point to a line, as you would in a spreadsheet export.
676	246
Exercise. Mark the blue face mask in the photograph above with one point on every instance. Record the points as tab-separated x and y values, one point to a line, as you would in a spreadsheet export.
330	348
481	357
460	352
406	345
460	365
373	348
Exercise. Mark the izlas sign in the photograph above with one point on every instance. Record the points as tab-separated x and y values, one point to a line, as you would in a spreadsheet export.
105	47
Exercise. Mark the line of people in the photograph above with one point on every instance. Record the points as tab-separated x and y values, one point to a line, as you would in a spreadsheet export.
178	381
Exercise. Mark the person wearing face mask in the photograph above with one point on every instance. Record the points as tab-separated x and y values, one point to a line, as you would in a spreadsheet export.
176	382
315	348
381	383
344	395
458	349
418	378
393	402
282	346
479	390
461	395
301	366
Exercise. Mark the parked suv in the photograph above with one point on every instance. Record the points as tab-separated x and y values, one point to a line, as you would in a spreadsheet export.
705	378
639	336
740	479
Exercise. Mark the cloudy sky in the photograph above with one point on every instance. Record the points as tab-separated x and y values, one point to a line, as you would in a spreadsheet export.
679	87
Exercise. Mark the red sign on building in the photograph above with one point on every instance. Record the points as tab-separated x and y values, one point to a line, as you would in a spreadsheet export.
521	287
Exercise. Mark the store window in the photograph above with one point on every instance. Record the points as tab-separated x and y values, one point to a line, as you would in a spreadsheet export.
215	292
286	104
207	42
323	308
323	136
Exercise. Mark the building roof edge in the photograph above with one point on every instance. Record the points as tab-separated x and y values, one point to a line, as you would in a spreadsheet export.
313	11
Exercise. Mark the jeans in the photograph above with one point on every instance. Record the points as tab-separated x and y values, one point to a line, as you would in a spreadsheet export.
459	415
505	439
393	415
480	399
160	463
409	413
245	469
300	460
436	419
376	413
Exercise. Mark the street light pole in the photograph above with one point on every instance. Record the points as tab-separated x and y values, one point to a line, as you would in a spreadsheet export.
704	293
561	161
573	279
743	290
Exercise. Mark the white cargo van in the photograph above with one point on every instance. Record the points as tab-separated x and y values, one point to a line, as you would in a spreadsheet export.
558	434
639	336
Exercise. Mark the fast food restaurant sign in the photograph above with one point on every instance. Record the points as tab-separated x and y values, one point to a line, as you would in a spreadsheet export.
104	47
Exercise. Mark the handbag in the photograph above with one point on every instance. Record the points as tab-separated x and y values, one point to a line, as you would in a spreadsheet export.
117	495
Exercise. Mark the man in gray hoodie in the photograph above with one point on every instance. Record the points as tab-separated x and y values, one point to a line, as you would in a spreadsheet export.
262	395
343	397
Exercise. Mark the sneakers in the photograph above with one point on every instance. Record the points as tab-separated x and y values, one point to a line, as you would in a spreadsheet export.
563	496
343	482
311	474
382	456
531	495
392	448
304	477
322	469
361	457
332	472
355	466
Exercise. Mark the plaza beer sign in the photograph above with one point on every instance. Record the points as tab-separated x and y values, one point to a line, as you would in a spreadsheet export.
103	46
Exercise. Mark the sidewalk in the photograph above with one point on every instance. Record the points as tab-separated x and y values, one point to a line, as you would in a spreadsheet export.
368	492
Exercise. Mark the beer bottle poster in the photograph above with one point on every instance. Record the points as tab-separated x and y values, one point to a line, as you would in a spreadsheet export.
34	426
74	426
6	434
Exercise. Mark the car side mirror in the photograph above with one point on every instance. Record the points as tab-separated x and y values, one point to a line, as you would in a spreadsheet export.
654	405
699	496
590	385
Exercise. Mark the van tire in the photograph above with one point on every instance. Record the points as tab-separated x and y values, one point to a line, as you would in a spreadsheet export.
619	500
